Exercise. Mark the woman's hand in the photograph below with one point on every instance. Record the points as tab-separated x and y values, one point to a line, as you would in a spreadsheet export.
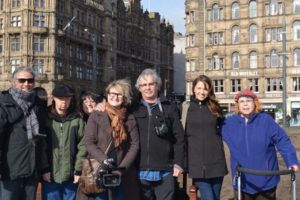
47	177
100	107
76	178
294	168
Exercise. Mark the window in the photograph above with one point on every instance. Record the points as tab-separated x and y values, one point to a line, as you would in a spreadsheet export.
38	43
235	60
58	67
273	34
89	74
38	66
1	66
253	33
252	9
79	72
235	34
253	59
15	43
187	66
274	59
15	3
190	40
14	63
235	11
215	14
1	4
1	24
1	44
192	16
39	3
273	84
235	85
296	84
215	63
59	47
215	38
296	27
70	71
16	21
39	20
297	57
193	65
218	86
274	8
296	6
253	84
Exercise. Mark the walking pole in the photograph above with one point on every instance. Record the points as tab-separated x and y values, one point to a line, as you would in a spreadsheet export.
238	174
293	182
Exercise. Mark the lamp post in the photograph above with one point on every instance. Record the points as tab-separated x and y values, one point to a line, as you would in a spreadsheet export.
94	59
284	71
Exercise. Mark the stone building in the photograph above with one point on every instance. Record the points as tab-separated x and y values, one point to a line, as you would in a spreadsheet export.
240	44
66	41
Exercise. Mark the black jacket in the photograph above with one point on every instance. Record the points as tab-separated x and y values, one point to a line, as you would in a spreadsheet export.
206	158
159	153
20	157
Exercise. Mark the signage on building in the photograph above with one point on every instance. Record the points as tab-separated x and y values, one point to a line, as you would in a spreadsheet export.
243	73
94	4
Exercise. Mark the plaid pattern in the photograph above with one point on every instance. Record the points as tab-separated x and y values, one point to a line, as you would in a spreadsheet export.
153	175
26	100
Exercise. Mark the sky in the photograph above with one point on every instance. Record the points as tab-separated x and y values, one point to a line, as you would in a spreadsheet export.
171	10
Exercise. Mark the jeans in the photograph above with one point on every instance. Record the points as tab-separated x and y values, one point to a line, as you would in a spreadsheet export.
59	191
210	189
21	189
116	192
158	190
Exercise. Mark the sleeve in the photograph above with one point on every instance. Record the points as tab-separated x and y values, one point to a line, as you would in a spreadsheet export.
44	147
3	123
133	145
283	143
90	139
179	141
82	153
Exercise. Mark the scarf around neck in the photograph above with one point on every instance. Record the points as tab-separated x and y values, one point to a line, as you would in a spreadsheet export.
26	101
117	117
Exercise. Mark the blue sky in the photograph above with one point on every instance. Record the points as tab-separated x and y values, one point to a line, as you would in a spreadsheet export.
171	10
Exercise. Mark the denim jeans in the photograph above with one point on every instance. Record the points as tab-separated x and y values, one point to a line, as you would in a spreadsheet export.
210	189
24	188
116	192
59	191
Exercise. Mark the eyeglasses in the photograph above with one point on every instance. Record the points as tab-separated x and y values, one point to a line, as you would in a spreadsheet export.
23	80
113	94
148	84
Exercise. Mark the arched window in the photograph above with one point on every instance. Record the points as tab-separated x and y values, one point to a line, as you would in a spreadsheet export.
235	11
235	60
253	33
235	34
252	9
274	58
297	57
296	26
253	59
215	12
296	6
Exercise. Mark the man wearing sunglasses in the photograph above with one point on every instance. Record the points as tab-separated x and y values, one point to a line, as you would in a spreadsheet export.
22	141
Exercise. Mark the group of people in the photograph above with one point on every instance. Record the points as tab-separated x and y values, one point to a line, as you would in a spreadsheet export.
150	140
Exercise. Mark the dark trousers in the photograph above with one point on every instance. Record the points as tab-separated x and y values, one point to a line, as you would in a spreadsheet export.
21	189
264	195
210	188
158	190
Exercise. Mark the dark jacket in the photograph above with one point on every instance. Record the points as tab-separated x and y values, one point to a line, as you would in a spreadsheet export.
20	157
206	158
159	153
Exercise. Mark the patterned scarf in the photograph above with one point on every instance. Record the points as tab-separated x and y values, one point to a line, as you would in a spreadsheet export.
26	100
117	117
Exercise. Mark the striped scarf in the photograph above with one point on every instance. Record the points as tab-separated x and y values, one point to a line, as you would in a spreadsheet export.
26	101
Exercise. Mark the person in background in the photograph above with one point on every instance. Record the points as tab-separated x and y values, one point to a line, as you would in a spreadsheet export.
161	154
22	133
65	129
253	138
87	102
202	121
42	94
114	129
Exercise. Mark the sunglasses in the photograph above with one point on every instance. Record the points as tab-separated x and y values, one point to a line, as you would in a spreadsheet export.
23	80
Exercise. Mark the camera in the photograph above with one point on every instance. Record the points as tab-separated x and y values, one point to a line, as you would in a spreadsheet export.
162	130
105	177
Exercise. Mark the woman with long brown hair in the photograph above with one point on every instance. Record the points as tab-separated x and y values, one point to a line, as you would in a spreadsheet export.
206	158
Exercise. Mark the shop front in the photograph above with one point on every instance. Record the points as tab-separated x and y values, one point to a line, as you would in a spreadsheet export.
295	113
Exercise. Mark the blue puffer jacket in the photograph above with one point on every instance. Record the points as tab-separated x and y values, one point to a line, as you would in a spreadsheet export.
253	145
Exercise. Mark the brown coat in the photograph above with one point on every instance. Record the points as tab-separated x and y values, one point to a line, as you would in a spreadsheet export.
97	138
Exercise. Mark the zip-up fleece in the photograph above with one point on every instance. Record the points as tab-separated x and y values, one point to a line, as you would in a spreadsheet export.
66	146
253	145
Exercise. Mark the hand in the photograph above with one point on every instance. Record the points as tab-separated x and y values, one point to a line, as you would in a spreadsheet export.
76	179
176	171
47	177
100	107
294	167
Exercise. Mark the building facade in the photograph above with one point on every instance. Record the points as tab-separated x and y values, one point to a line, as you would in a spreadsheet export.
79	42
244	47
179	64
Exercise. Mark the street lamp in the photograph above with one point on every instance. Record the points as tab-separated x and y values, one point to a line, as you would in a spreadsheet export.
94	61
284	71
